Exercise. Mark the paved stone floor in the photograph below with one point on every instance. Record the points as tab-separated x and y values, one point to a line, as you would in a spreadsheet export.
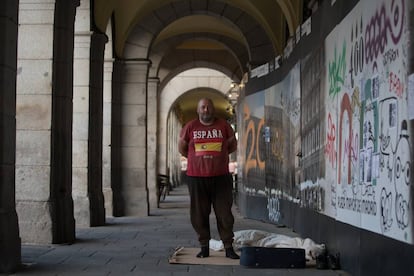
141	246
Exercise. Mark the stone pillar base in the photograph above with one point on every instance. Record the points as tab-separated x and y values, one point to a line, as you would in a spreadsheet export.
98	209
82	211
108	196
89	211
10	243
35	221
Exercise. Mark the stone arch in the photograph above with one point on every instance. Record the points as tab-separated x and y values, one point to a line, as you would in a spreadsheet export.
197	64
146	36
272	15
143	34
165	56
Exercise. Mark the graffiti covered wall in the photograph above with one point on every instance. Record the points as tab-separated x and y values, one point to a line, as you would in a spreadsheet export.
282	141
252	151
339	142
366	119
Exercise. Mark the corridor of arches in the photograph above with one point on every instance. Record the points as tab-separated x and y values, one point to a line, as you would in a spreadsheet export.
94	92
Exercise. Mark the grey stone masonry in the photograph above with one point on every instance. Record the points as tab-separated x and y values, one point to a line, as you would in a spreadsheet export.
44	121
10	253
134	137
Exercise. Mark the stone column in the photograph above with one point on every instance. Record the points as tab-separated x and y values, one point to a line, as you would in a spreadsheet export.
95	133
81	127
118	206
134	137
107	120
88	128
152	120
106	140
62	118
44	121
10	254
88	121
410	72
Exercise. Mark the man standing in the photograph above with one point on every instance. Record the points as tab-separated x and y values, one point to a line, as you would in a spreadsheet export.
207	142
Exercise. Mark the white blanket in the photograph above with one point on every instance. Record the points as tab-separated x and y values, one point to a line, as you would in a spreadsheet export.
266	239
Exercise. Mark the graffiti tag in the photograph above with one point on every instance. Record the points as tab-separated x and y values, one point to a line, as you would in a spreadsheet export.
337	70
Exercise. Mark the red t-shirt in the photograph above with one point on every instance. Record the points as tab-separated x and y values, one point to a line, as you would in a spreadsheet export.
207	147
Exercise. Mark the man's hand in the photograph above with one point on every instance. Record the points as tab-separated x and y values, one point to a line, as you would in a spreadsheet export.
183	147
231	144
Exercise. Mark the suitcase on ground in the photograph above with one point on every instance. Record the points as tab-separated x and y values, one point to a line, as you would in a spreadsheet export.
265	257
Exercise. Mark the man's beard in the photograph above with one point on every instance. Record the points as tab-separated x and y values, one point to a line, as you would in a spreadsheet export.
207	118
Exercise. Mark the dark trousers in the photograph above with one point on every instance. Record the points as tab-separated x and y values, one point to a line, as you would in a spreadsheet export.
217	192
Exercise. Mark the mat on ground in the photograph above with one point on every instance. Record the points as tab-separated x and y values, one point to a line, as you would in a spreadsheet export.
257	249
187	255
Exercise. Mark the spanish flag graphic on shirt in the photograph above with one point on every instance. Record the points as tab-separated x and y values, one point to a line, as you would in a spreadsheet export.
208	147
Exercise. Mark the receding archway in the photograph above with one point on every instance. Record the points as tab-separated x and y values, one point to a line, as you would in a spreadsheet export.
189	80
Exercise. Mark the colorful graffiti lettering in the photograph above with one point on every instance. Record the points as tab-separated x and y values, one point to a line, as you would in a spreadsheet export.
253	158
378	28
345	107
351	146
337	71
396	86
313	198
355	103
390	56
273	205
357	53
330	150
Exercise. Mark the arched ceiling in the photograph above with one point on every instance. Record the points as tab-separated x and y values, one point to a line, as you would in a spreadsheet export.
201	24
272	15
231	36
